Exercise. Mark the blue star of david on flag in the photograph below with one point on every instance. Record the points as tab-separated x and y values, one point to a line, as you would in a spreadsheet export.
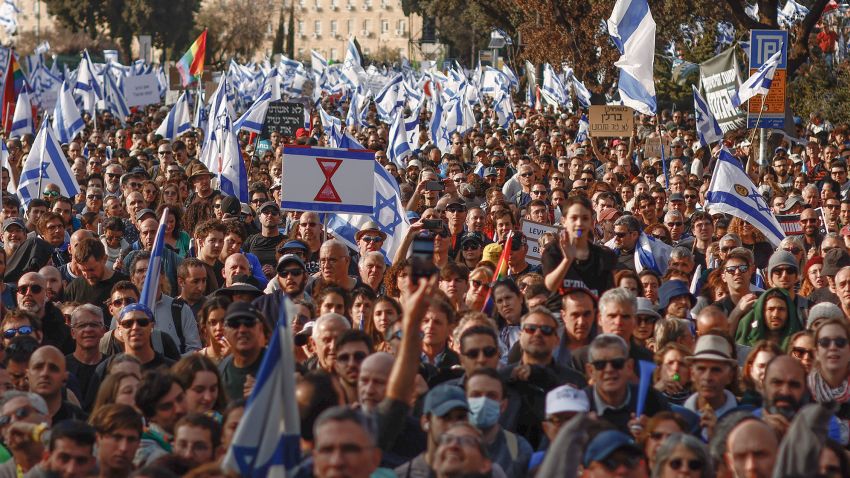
386	204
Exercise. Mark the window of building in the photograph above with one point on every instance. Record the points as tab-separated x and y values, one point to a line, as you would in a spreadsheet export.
385	26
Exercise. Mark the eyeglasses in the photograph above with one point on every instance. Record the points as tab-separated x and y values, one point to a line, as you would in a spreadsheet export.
525	175
579	188
616	460
128	324
826	342
257	201
538	192
94	196
677	464
478	283
357	356
471	246
832	206
462	440
51	193
675	224
25	289
488	352
620	235
801	352
122	301
270	212
645	319
372	239
20	414
217	205
22	330
783	270
617	364
165	152
690	196
237	322
742	268
290	272
546	330
457	208
793	250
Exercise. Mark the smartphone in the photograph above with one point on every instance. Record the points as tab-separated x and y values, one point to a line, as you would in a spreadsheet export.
435	186
422	257
432	224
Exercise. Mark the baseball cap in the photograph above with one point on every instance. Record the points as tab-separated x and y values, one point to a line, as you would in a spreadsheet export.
677	197
301	338
414	164
287	259
269	204
607	442
471	237
608	213
14	221
491	171
230	205
834	260
143	212
442	399
566	398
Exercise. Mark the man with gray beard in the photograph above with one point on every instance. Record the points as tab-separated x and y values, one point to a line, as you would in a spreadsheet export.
31	294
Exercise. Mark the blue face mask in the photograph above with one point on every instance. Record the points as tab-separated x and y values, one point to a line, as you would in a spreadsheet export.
483	412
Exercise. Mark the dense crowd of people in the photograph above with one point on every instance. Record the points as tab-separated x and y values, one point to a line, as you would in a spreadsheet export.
501	355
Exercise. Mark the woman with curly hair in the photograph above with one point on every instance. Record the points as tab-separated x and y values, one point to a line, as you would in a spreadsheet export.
175	238
397	281
196	213
752	239
813	277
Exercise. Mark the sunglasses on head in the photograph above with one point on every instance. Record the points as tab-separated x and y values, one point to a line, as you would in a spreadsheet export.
488	352
22	330
25	289
617	363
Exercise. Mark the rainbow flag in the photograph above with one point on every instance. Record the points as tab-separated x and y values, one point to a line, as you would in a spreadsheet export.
501	273
13	84
191	65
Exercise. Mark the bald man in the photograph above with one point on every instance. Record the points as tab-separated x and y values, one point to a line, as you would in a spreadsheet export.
47	376
372	382
71	270
333	268
31	294
751	449
55	286
235	265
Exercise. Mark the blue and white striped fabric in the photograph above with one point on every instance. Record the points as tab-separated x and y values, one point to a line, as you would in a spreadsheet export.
708	129
398	147
332	126
511	76
759	83
114	98
267	441
67	121
652	254
253	119
318	63
352	65
553	89
22	120
583	128
503	106
12	187
633	31
581	91
273	85
178	120
390	99
150	287
411	126
437	129
46	164
233	178
389	214
732	192
87	86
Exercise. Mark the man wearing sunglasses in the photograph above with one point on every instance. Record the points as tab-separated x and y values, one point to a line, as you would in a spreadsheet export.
352	348
264	244
370	238
31	295
612	396
136	325
246	330
22	413
613	453
738	270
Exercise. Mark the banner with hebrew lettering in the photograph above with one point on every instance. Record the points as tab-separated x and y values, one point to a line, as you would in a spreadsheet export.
719	78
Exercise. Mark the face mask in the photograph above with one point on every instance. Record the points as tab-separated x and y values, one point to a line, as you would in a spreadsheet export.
483	412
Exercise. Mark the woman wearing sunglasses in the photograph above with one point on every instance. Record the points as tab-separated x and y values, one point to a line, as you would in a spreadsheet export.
682	455
829	381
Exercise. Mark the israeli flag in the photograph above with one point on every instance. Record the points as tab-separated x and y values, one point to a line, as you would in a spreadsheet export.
46	164
150	287
707	128
389	213
332	126
581	92
273	85
503	106
553	89
398	149
731	191
12	187
411	126
511	76
652	254
318	63
267	442
114	98
352	68
87	86
22	121
178	120
437	128
633	31
9	16
253	119
583	128
390	99
759	83
67	121
233	177
202	114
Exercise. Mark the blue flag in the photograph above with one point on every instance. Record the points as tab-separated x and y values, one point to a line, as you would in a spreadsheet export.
150	287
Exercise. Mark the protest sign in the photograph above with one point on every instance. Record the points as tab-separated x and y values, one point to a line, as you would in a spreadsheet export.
328	180
284	118
533	232
611	121
141	90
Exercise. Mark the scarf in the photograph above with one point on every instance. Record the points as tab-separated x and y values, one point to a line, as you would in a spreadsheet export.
824	393
753	327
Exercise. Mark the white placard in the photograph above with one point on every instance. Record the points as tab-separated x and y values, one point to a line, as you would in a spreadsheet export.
141	90
328	180
533	232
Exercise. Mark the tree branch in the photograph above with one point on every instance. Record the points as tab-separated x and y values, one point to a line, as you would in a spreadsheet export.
798	54
769	12
742	18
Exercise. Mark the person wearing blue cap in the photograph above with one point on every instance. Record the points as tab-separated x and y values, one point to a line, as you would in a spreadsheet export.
676	300
613	453
137	322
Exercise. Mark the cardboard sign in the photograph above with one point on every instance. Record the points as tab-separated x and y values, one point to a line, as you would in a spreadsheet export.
533	232
652	148
328	180
283	118
611	121
141	90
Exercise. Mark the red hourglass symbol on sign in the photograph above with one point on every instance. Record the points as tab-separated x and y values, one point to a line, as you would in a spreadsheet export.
328	193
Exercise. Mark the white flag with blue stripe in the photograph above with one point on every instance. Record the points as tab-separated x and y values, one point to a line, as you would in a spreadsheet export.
22	120
389	213
390	99
114	98
759	83
46	162
732	192
581	91
267	442
233	178
178	120
411	126
12	187
253	119
583	128
150	287
553	90
633	31
332	126
67	121
398	147
708	129
87	86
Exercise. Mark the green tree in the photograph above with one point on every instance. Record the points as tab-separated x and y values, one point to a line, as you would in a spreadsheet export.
290	34
277	44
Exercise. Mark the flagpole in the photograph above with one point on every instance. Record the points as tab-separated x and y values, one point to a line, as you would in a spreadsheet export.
661	142
753	136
